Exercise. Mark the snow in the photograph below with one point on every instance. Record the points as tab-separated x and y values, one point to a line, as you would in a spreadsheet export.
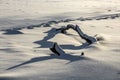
25	53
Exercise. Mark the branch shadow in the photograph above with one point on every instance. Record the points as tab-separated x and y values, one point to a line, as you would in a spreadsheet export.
44	43
69	57
72	47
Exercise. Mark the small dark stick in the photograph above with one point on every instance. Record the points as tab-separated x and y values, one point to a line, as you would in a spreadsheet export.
82	54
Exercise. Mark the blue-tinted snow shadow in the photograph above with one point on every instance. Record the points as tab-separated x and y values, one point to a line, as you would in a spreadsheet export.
12	32
63	56
45	43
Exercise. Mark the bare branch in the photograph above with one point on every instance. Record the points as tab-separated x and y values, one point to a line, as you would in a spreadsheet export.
84	36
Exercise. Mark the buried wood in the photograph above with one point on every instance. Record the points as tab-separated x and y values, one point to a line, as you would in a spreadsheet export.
82	54
56	49
84	36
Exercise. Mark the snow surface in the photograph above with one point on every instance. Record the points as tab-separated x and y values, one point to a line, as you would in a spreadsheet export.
25	53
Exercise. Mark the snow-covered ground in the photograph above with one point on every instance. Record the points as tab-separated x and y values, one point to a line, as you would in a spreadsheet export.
26	55
18	13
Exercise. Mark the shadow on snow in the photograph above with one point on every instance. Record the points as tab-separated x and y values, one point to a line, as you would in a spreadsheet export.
44	43
69	57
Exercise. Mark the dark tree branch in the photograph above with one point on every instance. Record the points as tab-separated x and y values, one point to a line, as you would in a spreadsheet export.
84	36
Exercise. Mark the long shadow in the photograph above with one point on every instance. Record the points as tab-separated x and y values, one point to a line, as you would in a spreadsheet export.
44	43
72	47
63	56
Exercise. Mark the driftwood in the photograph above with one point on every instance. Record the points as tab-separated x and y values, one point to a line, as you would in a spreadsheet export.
56	49
84	36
